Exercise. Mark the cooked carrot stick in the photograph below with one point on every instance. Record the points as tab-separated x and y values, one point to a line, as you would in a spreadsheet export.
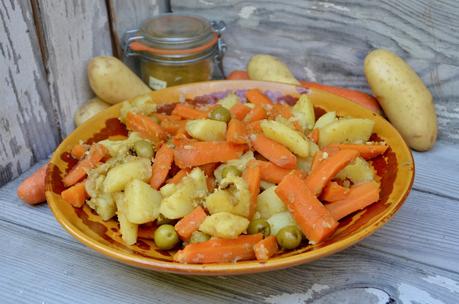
178	176
188	112
96	153
257	113
75	195
162	117
266	248
252	176
237	132
190	223
328	168
172	126
255	96
239	111
219	250
273	151
359	197
200	153
314	135
366	151
238	75
271	173
161	165
146	127
32	189
334	192
254	127
314	219
280	110
358	97
78	151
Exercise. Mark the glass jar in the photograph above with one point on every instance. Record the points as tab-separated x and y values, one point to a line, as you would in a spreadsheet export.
176	49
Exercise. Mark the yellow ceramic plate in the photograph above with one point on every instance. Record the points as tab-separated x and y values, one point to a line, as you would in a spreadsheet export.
395	168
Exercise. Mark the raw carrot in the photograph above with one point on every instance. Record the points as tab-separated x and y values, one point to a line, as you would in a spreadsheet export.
328	168
257	113
252	176
359	197
239	111
271	173
161	165
200	153
146	127
78	151
367	151
314	135
255	96
190	223
219	250
188	112
238	75
266	248
178	176
32	189
334	192
314	219
172	126
358	97
75	195
237	132
273	151
280	110
96	153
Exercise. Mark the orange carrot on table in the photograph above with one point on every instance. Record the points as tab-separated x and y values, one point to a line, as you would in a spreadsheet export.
367	151
239	111
96	153
79	150
334	192
145	126
178	176
273	151
266	248
255	96
328	168
252	176
359	197
32	189
314	219
257	113
271	173
194	154
237	132
238	75
188	112
219	250
75	195
190	223
161	165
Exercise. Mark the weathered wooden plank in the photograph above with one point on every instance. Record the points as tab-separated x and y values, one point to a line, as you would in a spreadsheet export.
74	32
27	130
75	274
327	41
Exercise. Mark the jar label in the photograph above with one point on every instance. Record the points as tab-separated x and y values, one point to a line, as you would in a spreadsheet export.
156	84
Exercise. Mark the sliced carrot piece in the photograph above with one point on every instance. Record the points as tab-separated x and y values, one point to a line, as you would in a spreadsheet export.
314	219
239	111
178	176
145	126
188	112
237	132
79	150
96	153
266	248
75	195
161	165
273	151
257	113
255	96
254	127
334	192
272	173
280	110
190	223
219	250
359	197
172	126
314	135
252	176
367	151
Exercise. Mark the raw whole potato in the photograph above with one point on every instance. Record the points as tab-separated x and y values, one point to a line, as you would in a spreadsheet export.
405	99
269	68
113	81
346	130
89	109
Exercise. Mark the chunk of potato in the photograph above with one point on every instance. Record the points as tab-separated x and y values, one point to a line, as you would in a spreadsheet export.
234	199
268	203
303	110
325	119
220	201
279	221
358	171
121	147
128	230
118	177
142	202
229	101
104	205
286	136
206	129
240	164
224	225
346	130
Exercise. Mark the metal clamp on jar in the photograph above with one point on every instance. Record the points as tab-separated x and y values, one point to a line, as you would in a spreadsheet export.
176	49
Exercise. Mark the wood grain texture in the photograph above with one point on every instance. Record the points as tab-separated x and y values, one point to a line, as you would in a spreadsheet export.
27	129
74	32
327	41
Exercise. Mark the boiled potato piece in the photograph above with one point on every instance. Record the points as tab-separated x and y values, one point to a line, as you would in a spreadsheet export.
142	104
128	230
229	101
89	109
303	111
346	130
206	129
358	171
121	147
220	201
240	164
142	202
325	119
282	134
104	205
234	199
118	177
404	97
168	189
113	81
269	68
268	203
224	225
280	220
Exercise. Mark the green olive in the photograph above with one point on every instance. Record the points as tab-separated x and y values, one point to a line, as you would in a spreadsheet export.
166	237
289	237
199	237
221	114
230	170
259	226
143	149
